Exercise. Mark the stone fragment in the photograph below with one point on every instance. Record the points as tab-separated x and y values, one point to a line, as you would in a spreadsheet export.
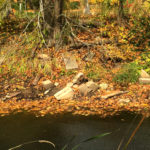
144	74
83	89
70	84
11	95
115	93
43	56
103	86
78	78
124	101
66	93
144	80
47	84
87	88
91	85
56	83
36	79
70	61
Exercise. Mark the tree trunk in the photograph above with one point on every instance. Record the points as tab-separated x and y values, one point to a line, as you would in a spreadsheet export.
121	11
52	20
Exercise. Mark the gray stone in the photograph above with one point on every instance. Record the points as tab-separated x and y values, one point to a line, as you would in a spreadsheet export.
88	88
103	86
93	86
144	80
83	89
144	74
70	61
66	93
78	78
47	84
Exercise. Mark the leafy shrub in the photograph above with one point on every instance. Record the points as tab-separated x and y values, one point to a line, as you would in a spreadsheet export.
74	5
128	74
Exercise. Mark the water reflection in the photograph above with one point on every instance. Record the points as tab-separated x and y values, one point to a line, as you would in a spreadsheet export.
21	128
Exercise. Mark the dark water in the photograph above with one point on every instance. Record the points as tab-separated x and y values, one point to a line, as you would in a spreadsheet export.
21	128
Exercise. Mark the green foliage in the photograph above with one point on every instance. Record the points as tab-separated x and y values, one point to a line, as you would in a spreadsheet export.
94	72
145	61
128	74
139	33
75	5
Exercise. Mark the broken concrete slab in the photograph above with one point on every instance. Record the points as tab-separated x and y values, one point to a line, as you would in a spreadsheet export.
70	61
47	84
78	78
115	93
144	80
66	93
144	74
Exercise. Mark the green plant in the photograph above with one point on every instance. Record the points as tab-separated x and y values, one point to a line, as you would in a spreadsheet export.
128	74
75	5
94	71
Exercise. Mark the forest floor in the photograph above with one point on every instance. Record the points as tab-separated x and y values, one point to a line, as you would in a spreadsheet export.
113	46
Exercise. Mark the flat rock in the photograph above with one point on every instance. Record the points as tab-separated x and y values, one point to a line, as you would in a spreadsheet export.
144	74
47	84
70	61
144	80
66	93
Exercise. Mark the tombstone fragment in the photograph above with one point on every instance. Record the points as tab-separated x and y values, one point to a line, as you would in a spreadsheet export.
70	61
144	74
87	88
66	93
78	78
144	80
47	84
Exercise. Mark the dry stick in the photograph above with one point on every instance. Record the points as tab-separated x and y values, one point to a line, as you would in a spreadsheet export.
133	133
122	140
38	141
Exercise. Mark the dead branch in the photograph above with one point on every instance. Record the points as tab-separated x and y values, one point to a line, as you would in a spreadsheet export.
38	141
